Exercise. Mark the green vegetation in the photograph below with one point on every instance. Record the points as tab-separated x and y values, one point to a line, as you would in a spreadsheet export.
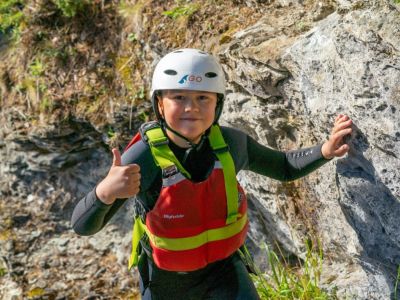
70	8
110	132
181	10
11	17
36	68
396	286
2	272
132	37
35	293
301	282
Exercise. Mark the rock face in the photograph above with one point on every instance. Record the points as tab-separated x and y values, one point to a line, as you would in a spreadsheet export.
287	96
43	173
285	91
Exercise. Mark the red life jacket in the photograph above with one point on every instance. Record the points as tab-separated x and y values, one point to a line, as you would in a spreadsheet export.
193	223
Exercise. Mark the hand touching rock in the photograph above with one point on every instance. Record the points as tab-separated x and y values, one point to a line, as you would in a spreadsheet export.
120	182
335	146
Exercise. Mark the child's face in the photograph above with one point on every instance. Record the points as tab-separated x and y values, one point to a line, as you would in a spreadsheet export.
190	113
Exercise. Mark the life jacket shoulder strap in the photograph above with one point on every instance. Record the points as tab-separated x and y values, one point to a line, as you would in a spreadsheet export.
221	150
145	127
162	154
141	135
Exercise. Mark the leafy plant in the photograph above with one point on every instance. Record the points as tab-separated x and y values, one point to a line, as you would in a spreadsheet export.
181	10
70	8
285	282
36	68
2	272
11	15
110	132
132	37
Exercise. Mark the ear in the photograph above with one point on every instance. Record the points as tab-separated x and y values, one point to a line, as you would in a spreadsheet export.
160	105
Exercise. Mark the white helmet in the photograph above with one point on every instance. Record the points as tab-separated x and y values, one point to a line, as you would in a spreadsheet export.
189	69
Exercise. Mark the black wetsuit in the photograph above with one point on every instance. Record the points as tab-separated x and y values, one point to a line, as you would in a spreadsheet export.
225	279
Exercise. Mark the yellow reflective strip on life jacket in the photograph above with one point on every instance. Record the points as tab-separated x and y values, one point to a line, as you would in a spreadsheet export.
138	231
162	154
220	148
187	243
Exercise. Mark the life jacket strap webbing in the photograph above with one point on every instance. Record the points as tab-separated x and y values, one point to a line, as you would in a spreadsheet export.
221	149
163	155
139	230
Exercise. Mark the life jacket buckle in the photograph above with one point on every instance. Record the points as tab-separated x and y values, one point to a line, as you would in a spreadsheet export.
222	149
146	127
160	142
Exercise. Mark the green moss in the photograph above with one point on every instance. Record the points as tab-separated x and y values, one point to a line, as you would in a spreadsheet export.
46	104
70	8
182	10
11	14
35	293
125	71
127	10
36	68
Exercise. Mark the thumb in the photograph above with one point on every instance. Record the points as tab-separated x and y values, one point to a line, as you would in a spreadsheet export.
116	157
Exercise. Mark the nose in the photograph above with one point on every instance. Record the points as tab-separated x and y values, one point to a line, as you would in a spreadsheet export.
191	103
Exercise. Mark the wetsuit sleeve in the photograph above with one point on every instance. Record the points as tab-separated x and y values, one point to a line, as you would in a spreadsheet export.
91	215
248	154
283	166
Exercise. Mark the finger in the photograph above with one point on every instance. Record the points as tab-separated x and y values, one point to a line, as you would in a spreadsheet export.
337	138
342	119
338	117
342	150
133	168
135	177
116	157
133	189
341	125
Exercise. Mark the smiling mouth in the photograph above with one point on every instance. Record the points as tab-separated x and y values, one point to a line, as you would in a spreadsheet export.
190	119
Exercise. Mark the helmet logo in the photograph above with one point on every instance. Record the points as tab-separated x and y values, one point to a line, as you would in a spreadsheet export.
191	78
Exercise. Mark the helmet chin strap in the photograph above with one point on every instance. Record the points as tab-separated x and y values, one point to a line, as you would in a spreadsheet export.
192	146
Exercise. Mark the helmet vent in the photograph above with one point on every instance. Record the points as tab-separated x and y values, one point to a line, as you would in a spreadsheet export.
211	74
202	52
178	51
170	72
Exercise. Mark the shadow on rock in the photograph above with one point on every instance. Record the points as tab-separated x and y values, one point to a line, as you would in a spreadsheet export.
371	209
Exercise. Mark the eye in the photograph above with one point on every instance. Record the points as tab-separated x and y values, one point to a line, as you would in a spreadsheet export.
178	97
203	97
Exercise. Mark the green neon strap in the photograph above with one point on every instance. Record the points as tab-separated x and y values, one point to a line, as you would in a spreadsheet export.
221	149
138	231
211	235
162	154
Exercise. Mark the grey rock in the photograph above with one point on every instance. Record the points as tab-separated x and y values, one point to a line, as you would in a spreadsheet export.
10	290
349	63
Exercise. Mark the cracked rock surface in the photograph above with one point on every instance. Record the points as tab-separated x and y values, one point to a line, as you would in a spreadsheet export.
287	95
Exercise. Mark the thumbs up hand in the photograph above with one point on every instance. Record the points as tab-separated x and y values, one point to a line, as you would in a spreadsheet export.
120	182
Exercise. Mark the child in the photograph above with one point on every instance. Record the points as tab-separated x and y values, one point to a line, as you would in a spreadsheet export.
190	211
